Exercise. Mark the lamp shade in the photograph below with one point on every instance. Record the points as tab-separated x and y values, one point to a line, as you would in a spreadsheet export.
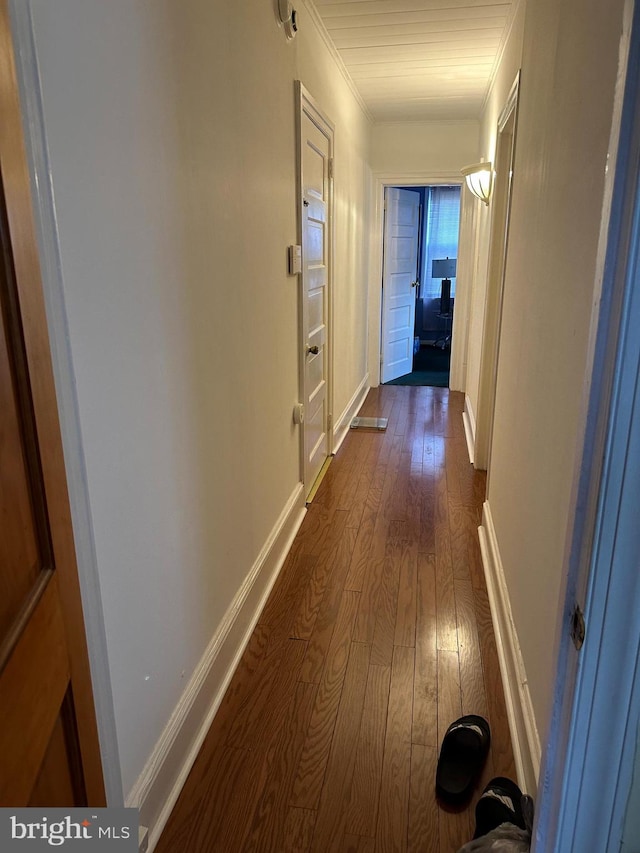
479	180
443	268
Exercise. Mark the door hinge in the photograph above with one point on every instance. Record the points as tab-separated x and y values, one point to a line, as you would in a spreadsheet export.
330	168
578	627
329	423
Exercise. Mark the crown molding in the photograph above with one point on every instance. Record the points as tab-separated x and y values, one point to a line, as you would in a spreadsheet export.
500	54
313	13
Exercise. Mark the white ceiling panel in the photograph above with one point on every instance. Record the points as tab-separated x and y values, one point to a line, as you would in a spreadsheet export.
458	39
418	59
387	53
424	16
367	7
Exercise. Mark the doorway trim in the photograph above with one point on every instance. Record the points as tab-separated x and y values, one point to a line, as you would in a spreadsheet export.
467	275
381	180
306	103
496	268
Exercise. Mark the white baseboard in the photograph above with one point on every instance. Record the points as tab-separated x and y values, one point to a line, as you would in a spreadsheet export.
522	723
157	789
469	421
341	426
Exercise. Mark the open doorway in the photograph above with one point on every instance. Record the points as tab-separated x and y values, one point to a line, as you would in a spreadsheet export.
420	249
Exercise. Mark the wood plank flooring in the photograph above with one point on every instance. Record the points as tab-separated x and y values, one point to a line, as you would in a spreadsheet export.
376	636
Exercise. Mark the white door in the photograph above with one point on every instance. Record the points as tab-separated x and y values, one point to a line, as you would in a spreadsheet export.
399	280
315	157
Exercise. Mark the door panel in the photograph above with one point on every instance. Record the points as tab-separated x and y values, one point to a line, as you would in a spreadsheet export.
25	551
48	733
399	318
59	779
315	304
33	685
315	184
401	238
35	673
19	551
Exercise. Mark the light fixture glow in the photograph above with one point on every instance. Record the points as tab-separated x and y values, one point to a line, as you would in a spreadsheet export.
479	178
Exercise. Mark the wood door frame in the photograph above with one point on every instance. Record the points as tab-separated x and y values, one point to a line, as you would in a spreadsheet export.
494	294
305	103
37	350
382	180
46	234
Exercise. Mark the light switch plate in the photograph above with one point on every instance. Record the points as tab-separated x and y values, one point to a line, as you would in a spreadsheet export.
295	260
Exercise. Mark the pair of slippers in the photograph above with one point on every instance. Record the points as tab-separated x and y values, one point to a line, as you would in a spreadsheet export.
462	756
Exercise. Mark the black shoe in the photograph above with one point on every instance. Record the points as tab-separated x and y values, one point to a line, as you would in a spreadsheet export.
501	802
462	755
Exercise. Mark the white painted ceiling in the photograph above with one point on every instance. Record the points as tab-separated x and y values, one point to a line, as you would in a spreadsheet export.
419	59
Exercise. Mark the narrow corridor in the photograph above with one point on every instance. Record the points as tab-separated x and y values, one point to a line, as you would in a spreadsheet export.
376	636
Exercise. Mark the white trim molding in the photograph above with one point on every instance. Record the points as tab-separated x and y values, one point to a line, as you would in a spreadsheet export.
341	427
522	723
498	247
314	15
469	421
465	289
308	107
158	786
416	179
506	35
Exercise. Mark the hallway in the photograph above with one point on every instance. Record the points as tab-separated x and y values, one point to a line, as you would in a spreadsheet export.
376	635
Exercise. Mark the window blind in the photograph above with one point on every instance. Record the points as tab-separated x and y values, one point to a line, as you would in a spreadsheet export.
442	223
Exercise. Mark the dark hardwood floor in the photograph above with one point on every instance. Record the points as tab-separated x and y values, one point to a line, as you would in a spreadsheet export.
376	636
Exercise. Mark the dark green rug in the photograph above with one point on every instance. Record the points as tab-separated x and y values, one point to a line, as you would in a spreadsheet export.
430	367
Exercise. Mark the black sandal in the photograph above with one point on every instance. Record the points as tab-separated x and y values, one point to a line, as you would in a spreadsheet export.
501	802
462	754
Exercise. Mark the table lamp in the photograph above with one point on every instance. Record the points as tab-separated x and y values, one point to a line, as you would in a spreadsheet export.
444	268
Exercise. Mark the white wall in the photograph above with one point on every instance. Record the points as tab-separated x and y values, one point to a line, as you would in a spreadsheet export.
325	81
171	135
434	146
477	275
569	66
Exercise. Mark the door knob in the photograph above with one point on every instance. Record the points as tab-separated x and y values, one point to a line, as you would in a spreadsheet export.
312	350
415	283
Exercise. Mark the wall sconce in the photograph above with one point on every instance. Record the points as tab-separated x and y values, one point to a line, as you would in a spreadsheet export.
479	178
288	17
